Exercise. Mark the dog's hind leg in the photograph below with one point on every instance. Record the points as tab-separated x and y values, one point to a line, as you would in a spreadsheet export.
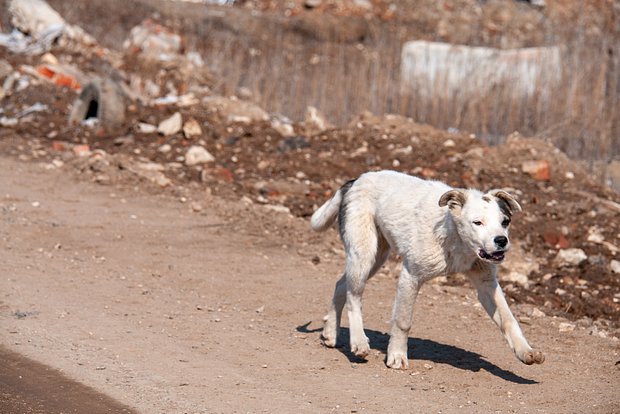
402	318
366	252
492	299
332	319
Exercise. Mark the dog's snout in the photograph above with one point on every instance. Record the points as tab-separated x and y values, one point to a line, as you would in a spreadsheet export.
501	241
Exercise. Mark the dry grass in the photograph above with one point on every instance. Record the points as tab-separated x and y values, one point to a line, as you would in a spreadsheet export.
287	71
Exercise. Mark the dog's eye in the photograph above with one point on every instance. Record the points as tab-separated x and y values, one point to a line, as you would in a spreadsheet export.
505	223
477	223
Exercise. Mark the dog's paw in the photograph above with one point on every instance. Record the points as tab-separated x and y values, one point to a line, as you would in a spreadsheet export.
361	349
397	360
328	341
532	357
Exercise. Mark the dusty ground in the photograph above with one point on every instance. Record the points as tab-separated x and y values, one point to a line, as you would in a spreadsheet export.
190	289
168	310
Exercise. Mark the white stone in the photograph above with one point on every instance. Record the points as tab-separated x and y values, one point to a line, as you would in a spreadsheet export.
570	257
614	265
315	120
171	125
516	277
198	155
192	128
164	148
145	128
595	235
566	327
285	129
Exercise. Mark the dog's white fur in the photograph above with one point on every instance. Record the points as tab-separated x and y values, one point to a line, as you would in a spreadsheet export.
437	230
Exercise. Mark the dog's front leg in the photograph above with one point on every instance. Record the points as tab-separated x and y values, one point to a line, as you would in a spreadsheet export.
492	299
402	318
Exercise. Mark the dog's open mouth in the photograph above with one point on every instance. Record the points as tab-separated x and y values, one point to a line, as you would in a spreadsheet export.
497	256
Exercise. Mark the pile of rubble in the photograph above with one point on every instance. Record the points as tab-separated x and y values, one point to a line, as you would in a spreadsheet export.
147	113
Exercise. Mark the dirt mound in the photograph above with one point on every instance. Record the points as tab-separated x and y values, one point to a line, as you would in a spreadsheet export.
568	234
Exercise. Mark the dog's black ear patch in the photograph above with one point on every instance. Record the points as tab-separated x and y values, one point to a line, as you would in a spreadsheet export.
453	199
506	202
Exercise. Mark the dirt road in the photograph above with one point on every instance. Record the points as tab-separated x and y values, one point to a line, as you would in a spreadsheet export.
218	311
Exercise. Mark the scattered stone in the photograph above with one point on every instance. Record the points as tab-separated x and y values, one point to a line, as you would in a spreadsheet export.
311	4
233	110
191	128
198	155
179	100
196	206
128	139
284	128
570	257
566	327
171	126
539	170
8	122
277	208
145	128
154	41
614	265
261	309
150	166
537	313
516	277
165	148
315	121
449	143
293	143
595	235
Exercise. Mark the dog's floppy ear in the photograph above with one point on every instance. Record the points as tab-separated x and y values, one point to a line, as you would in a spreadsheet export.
454	199
508	201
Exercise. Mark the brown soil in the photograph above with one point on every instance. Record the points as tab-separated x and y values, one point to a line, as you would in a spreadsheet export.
255	161
207	295
169	310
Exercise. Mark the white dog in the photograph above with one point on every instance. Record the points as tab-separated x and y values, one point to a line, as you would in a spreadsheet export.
437	230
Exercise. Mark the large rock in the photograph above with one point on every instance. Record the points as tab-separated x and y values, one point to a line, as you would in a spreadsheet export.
39	20
431	70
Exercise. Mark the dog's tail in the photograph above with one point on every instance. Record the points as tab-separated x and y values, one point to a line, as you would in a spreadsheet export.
327	213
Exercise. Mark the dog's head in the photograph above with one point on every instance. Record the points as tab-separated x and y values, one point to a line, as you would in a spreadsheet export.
482	220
